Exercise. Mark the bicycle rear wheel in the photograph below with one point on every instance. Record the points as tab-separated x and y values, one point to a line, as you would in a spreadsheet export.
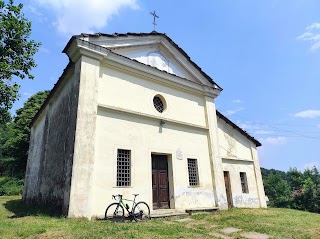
141	212
114	212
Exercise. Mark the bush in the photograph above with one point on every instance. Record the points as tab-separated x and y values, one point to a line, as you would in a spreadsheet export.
10	186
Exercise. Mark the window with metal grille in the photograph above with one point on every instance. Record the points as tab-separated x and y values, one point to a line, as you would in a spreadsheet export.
244	183
123	167
193	172
158	104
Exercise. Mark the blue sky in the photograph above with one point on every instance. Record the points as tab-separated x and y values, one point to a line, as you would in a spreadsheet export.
264	54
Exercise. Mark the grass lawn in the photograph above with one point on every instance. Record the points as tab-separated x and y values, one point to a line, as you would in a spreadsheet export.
20	221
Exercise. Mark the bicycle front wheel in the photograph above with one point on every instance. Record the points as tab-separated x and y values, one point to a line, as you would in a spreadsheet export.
141	212
114	212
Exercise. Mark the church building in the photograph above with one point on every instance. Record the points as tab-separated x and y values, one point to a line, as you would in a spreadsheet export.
133	114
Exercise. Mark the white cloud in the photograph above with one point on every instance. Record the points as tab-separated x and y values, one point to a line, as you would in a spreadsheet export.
237	101
40	17
313	26
275	140
245	126
312	35
311	165
248	125
308	114
27	94
83	16
232	112
44	50
263	132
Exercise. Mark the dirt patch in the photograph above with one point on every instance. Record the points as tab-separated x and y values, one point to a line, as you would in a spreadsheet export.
215	234
229	230
184	220
255	235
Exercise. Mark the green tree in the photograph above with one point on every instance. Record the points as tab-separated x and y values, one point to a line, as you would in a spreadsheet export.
16	54
295	179
4	129
265	172
277	190
17	144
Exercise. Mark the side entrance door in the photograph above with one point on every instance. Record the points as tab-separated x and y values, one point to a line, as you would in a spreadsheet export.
228	188
160	182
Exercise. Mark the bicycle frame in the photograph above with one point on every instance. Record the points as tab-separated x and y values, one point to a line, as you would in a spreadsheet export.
121	202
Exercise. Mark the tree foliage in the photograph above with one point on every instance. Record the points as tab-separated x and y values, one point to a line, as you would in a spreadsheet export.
297	190
16	54
17	144
278	190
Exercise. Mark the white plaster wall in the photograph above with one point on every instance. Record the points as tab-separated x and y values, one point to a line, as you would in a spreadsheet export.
143	136
240	199
87	71
232	143
119	89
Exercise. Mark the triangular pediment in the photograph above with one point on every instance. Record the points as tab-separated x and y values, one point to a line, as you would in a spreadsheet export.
153	49
156	56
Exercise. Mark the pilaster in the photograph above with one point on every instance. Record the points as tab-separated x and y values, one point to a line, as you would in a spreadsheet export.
87	72
257	172
215	159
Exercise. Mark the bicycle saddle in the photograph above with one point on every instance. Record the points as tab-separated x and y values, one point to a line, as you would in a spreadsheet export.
135	195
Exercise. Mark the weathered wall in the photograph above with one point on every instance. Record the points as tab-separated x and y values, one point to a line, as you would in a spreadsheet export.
240	199
51	151
126	121
143	137
239	155
84	146
232	143
214	153
35	153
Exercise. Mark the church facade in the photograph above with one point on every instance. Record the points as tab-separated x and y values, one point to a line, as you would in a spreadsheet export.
130	114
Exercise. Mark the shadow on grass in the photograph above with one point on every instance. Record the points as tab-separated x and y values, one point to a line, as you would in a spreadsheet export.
19	209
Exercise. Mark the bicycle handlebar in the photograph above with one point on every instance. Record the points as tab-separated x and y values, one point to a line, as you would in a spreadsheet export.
118	195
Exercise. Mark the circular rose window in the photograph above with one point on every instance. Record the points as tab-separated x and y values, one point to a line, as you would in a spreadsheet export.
159	103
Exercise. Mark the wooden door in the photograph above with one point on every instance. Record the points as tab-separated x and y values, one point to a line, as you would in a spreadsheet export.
228	188
160	182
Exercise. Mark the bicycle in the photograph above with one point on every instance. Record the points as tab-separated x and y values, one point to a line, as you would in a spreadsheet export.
115	211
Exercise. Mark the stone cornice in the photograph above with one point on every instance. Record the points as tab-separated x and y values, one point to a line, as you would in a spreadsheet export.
140	114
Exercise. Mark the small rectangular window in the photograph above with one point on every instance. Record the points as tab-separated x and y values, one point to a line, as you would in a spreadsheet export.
123	167
244	183
193	172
